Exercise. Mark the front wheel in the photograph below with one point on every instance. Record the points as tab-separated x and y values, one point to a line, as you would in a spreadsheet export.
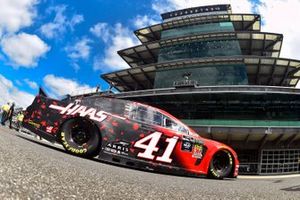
221	165
79	136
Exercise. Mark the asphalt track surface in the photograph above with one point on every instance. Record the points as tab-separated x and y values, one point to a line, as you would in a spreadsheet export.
34	169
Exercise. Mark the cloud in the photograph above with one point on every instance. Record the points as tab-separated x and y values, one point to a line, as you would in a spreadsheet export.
279	16
98	63
120	37
162	6
60	22
31	84
16	14
10	93
101	30
24	49
144	21
75	66
19	83
76	19
59	86
80	50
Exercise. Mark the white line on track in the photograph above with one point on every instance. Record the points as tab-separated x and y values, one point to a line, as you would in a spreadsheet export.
256	177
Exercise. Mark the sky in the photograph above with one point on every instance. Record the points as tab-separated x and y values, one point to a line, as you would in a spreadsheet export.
64	46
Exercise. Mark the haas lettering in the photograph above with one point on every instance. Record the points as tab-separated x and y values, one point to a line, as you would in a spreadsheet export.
83	111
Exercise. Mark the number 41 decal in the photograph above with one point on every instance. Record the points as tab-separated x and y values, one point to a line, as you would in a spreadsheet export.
151	147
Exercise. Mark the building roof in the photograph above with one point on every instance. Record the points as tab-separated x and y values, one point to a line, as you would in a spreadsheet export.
260	70
241	22
251	43
196	11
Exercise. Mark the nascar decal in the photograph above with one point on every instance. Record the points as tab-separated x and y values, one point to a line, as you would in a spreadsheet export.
83	111
186	146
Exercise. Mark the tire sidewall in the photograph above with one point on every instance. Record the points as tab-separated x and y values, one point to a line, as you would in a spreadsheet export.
91	146
217	174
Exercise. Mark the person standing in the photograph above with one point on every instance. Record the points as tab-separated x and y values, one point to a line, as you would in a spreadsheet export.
5	109
20	118
10	114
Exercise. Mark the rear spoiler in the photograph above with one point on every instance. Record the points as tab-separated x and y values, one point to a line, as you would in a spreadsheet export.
42	92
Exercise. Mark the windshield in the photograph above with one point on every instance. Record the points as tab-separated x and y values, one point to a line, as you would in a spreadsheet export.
153	116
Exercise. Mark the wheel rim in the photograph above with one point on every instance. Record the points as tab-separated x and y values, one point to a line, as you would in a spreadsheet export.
80	134
221	162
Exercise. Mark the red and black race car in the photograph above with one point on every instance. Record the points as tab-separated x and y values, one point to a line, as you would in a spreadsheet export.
128	133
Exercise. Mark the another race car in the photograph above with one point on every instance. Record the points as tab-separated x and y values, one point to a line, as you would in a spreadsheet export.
129	133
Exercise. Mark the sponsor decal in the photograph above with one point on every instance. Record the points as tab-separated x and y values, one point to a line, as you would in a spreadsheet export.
36	125
197	151
49	129
120	148
187	146
83	111
189	142
191	139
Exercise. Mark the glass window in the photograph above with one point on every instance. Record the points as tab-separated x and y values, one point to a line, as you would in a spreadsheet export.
294	64
147	115
235	74
199	49
293	81
248	17
150	115
195	29
256	25
282	62
171	124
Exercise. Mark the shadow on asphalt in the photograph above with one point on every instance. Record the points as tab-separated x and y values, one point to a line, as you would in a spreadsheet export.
118	165
295	188
41	143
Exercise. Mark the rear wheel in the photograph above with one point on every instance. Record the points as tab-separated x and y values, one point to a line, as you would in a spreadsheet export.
221	165
79	136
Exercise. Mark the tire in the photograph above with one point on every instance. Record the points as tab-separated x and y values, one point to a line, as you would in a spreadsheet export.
80	137
221	165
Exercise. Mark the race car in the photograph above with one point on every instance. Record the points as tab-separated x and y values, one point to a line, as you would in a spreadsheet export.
128	133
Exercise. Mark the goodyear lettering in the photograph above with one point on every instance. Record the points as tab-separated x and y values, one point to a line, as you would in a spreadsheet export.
214	172
69	148
230	157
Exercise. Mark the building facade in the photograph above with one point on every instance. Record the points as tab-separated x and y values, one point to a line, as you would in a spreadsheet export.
220	74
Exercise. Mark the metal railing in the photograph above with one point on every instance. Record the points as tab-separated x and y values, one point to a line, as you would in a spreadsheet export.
280	161
211	89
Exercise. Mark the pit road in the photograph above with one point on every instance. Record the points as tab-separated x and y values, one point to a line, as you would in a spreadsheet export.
34	169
